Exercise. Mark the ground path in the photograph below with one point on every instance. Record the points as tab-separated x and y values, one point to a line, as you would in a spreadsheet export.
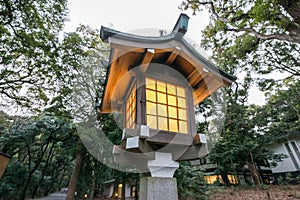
54	196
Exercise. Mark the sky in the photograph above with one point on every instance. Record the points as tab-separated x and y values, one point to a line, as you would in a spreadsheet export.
136	15
130	15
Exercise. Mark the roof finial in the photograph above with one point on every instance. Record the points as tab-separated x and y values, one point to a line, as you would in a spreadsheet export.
181	25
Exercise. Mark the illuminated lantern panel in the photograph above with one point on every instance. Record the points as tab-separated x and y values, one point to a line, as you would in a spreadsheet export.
166	107
131	109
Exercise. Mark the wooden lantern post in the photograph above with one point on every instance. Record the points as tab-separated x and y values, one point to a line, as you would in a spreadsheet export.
156	82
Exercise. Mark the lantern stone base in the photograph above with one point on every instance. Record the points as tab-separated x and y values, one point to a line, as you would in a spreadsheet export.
154	188
163	165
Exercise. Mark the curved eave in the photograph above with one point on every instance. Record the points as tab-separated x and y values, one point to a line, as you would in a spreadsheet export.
106	33
128	50
207	62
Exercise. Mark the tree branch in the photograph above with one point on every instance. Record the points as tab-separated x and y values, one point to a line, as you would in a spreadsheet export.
294	38
7	13
282	37
292	7
281	66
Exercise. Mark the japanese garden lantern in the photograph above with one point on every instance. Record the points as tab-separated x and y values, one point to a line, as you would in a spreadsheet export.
156	82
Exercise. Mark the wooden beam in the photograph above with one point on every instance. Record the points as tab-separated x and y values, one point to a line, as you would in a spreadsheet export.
196	76
173	55
139	146
141	130
140	100
130	159
148	56
194	152
127	48
146	60
166	138
127	133
201	90
206	87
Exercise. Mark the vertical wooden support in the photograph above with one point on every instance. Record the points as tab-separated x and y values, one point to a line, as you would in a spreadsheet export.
141	99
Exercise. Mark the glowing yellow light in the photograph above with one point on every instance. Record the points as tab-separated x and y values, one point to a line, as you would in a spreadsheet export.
171	89
151	95
182	127
162	110
213	179
161	86
180	92
181	103
171	100
161	98
166	107
173	125
162	123
172	112
151	108
150	83
131	109
152	121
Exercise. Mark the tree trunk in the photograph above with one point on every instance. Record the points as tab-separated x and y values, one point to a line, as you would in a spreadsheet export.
24	191
93	188
48	160
47	191
225	179
56	179
254	172
136	190
123	188
75	173
245	178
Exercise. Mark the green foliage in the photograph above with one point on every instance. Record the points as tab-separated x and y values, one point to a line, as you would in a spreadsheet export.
257	128
280	117
85	53
250	38
29	51
261	36
191	183
263	187
281	181
264	10
38	69
41	148
13	180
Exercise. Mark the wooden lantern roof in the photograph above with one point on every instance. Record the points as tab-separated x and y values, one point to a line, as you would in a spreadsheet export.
129	51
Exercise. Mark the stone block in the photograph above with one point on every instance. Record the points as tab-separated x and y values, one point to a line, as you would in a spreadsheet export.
157	188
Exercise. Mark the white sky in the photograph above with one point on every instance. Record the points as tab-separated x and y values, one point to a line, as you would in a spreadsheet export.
131	15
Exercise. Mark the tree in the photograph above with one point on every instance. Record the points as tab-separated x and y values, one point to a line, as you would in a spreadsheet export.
38	146
246	140
84	51
280	117
75	173
191	184
248	37
261	35
36	69
29	51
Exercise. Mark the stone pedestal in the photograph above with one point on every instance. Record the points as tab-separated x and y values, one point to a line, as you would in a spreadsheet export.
162	165
158	188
